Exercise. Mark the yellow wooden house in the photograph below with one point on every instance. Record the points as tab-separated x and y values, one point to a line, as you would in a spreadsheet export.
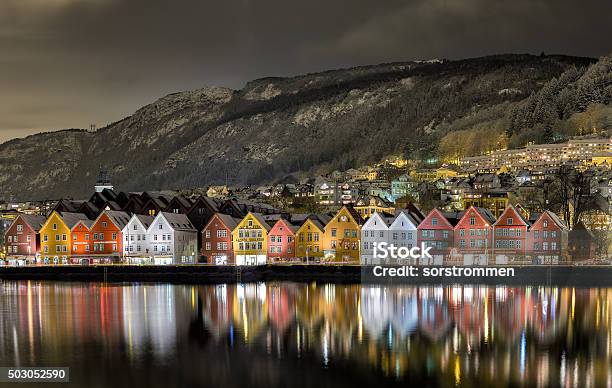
250	240
309	240
341	241
56	238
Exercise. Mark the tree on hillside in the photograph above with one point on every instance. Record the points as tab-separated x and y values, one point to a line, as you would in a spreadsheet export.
574	192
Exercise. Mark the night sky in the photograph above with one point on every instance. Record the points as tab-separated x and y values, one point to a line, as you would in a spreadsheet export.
72	63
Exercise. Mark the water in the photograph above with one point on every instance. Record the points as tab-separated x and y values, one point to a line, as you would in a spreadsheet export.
293	334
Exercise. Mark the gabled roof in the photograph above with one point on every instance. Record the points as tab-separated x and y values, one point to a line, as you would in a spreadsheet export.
353	214
144	220
484	213
119	218
230	222
408	215
71	219
294	228
87	223
516	211
378	219
555	218
177	221
315	222
35	222
205	201
260	218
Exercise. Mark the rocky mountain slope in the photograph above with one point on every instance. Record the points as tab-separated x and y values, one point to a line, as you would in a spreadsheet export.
279	128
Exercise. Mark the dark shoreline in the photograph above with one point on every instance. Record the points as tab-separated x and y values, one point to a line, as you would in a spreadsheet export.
582	276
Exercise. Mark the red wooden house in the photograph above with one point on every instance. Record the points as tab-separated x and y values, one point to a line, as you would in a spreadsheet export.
281	241
474	235
437	232
22	238
217	239
548	239
106	237
510	236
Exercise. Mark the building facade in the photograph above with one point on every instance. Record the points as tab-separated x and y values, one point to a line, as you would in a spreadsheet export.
22	239
437	231
281	241
217	247
474	236
309	240
548	239
510	236
250	240
136	247
342	235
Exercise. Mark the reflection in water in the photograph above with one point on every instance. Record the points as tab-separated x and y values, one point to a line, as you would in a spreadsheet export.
276	334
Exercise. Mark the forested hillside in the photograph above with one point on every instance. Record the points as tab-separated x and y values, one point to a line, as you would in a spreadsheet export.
287	128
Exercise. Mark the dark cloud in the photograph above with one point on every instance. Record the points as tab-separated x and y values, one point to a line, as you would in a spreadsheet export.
69	63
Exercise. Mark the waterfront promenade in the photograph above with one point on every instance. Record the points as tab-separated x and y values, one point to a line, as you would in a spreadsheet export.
559	275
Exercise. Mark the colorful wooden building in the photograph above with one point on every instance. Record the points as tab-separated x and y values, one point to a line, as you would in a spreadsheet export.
309	240
55	236
217	247
22	238
281	241
510	236
250	240
106	238
437	231
474	236
548	239
342	236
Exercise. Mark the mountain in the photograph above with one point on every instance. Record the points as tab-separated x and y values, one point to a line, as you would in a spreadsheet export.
281	128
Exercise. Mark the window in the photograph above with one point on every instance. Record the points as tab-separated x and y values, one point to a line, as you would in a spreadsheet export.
95	236
19	228
45	237
161	226
553	234
54	226
394	235
553	246
28	238
208	246
510	221
462	243
545	246
104	224
545	223
10	238
444	234
87	237
57	237
334	232
101	236
207	234
462	232
472	220
221	233
434	221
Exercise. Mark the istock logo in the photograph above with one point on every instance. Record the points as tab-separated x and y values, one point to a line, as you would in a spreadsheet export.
385	250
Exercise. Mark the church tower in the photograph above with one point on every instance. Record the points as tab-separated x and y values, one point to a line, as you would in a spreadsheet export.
103	181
